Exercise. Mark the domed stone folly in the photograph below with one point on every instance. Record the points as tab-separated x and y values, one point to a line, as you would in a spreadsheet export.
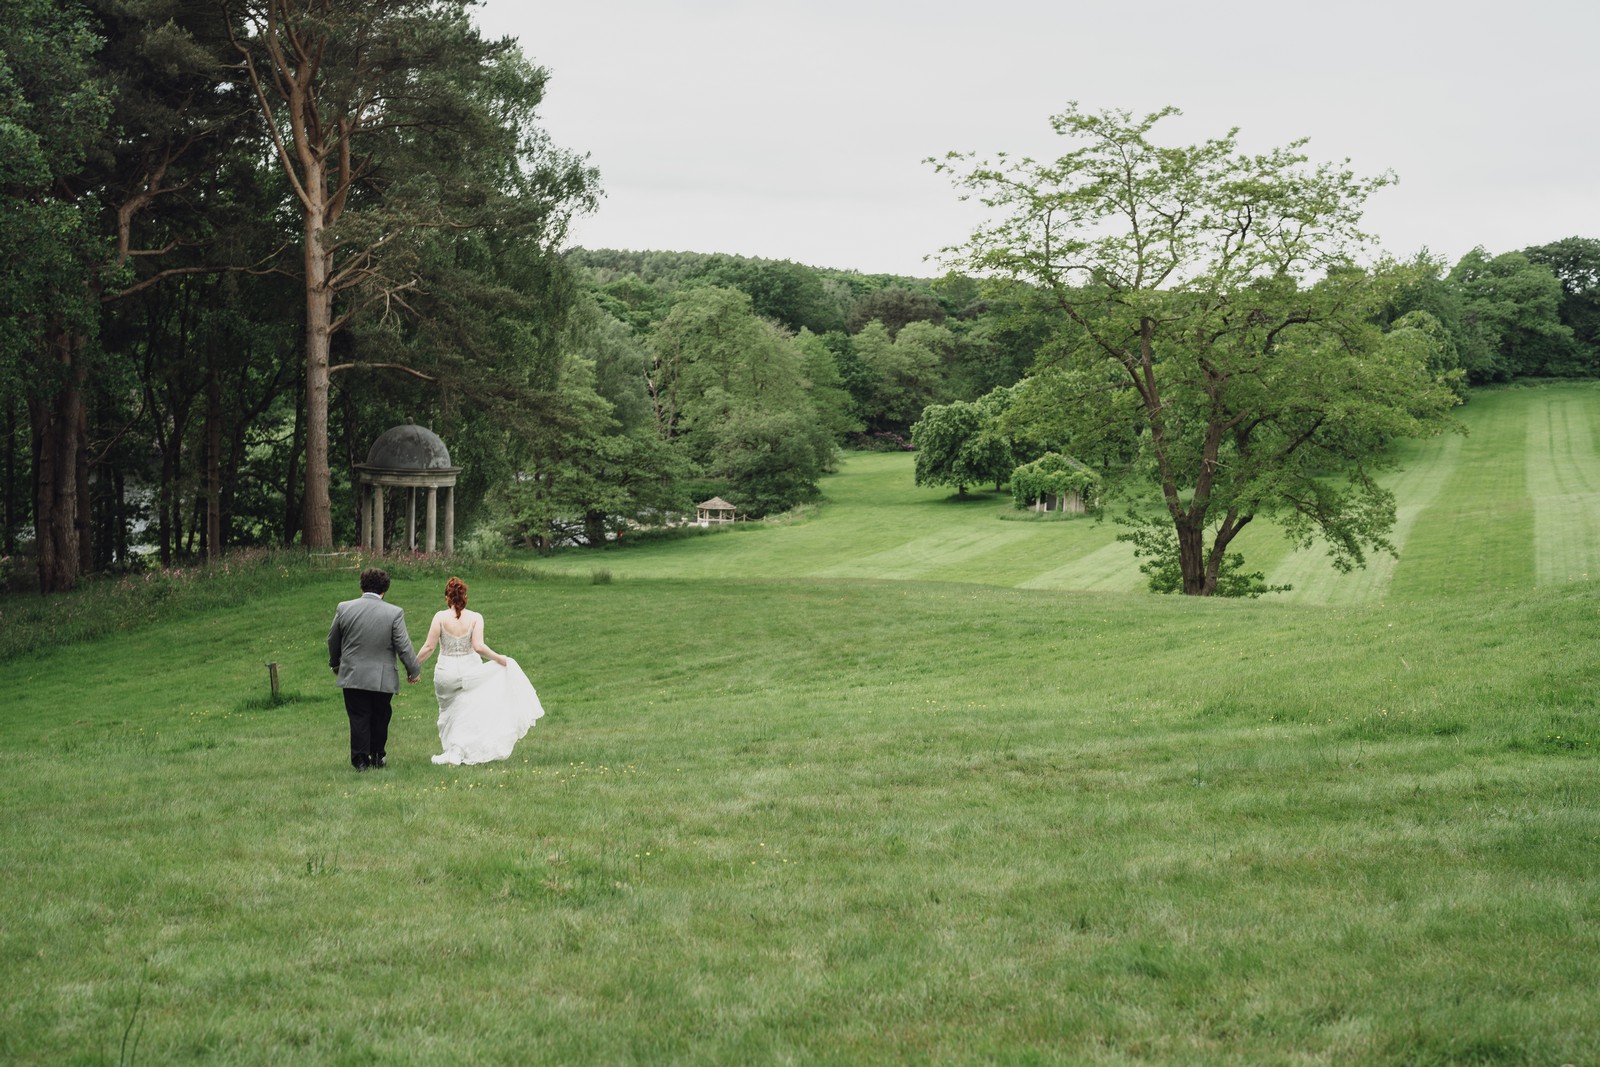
412	458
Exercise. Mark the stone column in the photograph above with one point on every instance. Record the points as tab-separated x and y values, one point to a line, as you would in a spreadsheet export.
364	531
450	519
377	518
411	519
433	518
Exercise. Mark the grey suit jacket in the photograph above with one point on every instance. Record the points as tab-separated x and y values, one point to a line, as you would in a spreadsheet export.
366	636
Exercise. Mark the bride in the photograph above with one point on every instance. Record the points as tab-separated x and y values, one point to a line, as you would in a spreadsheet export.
485	708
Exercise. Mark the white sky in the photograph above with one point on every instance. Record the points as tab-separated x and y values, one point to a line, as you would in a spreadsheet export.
798	130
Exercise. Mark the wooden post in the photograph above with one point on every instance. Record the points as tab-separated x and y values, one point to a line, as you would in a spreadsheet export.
272	673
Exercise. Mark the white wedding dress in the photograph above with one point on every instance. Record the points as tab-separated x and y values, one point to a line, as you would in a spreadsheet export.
484	708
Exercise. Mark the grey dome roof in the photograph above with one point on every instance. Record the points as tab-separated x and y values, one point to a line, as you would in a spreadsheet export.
409	448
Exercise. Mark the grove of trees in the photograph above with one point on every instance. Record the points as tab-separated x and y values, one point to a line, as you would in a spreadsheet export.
243	238
247	236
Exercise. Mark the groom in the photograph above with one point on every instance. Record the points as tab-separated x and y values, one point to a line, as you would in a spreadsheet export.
366	636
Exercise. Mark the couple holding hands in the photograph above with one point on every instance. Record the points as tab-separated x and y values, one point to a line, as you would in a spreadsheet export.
485	706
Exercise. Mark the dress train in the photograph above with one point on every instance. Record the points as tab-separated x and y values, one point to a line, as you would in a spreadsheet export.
484	708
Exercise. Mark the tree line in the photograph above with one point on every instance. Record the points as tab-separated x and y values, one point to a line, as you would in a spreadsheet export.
244	238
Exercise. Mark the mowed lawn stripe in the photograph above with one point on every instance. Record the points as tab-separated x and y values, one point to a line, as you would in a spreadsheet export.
946	548
1426	467
1477	535
1563	476
1111	568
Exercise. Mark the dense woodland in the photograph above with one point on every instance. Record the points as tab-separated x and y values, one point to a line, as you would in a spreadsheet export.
244	238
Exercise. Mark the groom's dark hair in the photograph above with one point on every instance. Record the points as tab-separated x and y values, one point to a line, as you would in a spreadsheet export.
375	580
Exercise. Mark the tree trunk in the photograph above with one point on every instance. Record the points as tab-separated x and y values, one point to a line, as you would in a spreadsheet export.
230	470
291	478
213	528
317	522
57	423
166	510
119	519
82	516
8	540
1192	561
594	528
197	526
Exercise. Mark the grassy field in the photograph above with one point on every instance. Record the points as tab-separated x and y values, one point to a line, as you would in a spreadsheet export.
906	782
1512	504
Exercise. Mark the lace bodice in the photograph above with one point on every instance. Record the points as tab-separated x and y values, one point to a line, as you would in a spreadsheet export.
451	645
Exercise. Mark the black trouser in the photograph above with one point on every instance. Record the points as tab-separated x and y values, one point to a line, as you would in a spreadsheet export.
369	713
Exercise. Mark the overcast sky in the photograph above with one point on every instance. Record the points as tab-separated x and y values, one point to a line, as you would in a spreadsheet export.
798	130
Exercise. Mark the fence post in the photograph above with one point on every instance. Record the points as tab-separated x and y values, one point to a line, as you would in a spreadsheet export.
272	672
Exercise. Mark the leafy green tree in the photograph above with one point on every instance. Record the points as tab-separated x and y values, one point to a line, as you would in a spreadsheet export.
182	200
633	300
830	398
961	443
770	459
586	478
1220	333
125	107
941	438
392	120
712	353
54	108
901	375
621	368
1511	318
854	377
894	307
1420	337
730	389
1575	261
788	293
1019	322
961	295
615	470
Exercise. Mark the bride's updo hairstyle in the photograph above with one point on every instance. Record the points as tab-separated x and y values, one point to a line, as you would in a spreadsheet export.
455	594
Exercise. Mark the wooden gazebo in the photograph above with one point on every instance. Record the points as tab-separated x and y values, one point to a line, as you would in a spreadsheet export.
410	458
714	510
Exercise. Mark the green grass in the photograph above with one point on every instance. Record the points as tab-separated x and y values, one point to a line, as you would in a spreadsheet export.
878	525
1468	508
1563	477
808	818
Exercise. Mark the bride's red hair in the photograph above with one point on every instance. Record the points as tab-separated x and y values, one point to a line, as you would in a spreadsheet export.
455	594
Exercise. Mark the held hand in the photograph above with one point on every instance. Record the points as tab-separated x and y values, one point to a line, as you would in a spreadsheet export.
414	679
